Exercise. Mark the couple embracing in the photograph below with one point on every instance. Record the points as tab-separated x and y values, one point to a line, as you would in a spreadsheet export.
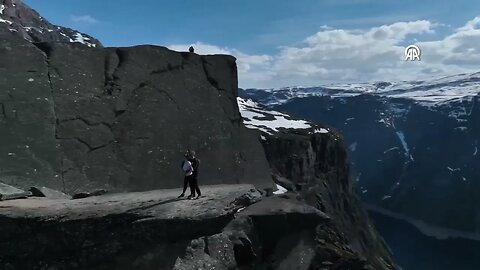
190	167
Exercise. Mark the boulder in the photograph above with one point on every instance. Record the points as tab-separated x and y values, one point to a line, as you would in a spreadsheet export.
11	193
48	192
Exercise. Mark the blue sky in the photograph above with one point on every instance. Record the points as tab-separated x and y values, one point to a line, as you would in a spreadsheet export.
266	34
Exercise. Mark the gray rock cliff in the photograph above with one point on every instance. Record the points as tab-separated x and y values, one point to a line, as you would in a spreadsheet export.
79	118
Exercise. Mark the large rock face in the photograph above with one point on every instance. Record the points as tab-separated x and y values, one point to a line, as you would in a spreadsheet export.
75	117
18	20
120	118
316	165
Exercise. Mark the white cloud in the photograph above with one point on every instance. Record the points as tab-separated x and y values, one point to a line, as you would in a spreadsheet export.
84	19
339	55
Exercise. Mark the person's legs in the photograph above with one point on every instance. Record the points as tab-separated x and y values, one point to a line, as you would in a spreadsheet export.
185	184
192	187
197	188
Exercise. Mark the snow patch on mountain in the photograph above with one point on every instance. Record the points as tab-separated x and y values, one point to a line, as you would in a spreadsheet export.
269	121
390	150
401	136
84	40
453	170
353	147
321	130
5	21
69	38
280	190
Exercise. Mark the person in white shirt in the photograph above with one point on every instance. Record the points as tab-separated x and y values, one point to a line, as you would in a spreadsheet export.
188	170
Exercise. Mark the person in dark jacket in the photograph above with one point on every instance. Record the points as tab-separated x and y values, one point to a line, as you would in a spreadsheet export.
194	188
187	181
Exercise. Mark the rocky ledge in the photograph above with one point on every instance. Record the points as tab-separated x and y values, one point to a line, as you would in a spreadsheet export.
232	227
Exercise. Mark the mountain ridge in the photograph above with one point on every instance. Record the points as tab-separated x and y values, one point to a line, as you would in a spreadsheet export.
17	19
433	92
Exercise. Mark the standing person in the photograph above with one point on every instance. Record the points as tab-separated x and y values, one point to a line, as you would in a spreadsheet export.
194	180
187	181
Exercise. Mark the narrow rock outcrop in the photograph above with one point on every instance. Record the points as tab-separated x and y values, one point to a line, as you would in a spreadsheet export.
233	227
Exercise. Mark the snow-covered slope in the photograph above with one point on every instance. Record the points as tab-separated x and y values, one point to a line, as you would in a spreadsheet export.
433	92
19	20
269	121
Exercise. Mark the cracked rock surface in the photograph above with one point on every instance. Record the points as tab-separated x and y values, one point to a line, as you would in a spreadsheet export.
80	118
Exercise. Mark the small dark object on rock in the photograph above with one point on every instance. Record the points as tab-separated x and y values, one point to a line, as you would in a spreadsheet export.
191	49
83	195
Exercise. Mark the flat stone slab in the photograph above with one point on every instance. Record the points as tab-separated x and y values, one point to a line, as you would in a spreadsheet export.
217	201
10	193
277	205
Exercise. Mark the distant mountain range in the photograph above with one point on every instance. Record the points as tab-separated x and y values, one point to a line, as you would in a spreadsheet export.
413	146
434	92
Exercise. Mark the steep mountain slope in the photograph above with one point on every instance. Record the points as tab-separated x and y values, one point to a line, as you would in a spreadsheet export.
310	160
413	146
18	20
